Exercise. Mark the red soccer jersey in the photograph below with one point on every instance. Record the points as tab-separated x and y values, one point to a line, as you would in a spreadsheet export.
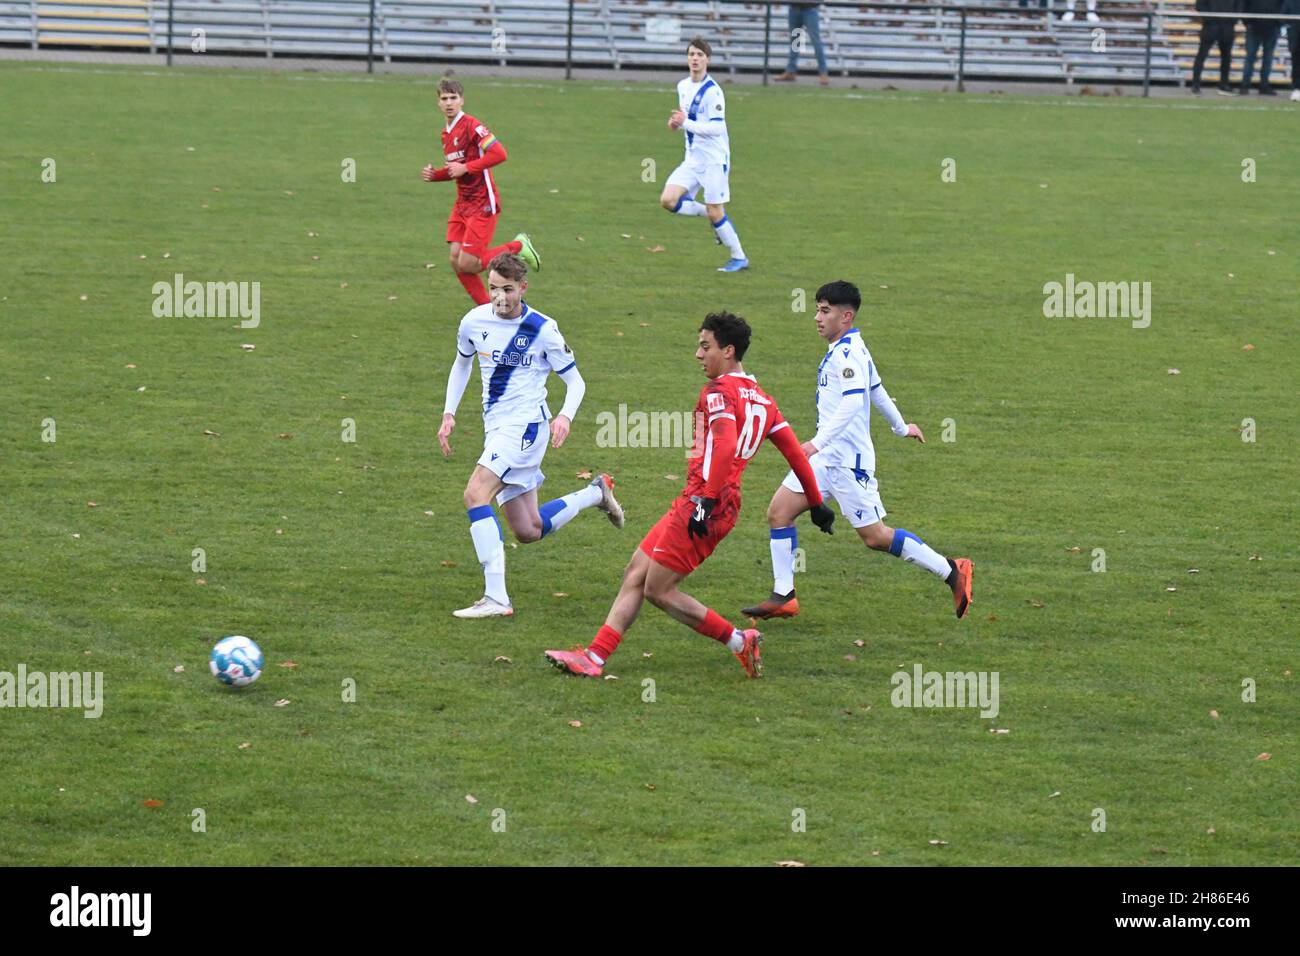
738	397
465	140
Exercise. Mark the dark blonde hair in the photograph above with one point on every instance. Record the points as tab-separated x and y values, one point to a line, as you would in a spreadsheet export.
509	266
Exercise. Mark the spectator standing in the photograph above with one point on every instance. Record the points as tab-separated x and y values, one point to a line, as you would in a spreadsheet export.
804	16
1293	43
1216	31
1261	35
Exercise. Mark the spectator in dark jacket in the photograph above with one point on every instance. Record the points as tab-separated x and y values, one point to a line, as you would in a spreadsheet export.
1293	42
1260	35
1217	31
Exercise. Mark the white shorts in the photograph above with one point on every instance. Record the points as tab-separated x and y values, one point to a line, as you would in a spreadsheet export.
514	454
855	491
713	178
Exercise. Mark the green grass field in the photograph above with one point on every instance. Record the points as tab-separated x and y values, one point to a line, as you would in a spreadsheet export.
347	558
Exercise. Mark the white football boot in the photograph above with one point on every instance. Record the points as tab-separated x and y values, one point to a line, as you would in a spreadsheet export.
486	607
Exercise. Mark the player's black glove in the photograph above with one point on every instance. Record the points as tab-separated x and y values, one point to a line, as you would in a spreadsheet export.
823	517
698	526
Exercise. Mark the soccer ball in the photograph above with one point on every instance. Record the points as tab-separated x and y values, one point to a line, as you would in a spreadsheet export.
236	661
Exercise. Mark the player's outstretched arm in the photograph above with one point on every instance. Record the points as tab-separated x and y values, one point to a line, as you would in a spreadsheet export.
574	390
880	398
787	443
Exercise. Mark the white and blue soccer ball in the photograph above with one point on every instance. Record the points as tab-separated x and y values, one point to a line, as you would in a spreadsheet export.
236	661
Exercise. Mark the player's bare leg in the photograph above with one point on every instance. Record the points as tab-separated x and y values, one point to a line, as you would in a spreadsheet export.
661	590
674	199
530	523
957	573
469	278
726	235
588	661
485	530
785	508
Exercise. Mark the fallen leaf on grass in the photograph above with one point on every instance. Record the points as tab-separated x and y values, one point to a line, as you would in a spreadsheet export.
142	388
585	474
211	434
1248	347
1254	557
447	564
501	659
279	531
850	657
1193	570
151	804
611	677
1265	756
790	863
859	643
626	235
1033	603
1210	831
1171	589
1174	371
673	477
178	669
649	786
559	594
130	365
1074	550
91	504
651	654
655	249
84	297
288	665
245	745
470	798
575	723
200	581
76	536
875	853
938	843
247	346
1214	714
1055	794
999	730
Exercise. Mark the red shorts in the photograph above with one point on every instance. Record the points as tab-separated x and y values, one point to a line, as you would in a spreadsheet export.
472	229
669	544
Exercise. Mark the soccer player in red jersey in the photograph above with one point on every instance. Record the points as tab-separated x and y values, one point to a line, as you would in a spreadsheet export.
471	151
739	415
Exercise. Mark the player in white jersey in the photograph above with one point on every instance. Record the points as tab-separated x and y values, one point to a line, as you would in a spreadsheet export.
701	115
517	348
844	461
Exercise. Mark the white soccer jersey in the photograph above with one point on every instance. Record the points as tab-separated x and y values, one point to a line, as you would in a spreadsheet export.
703	102
846	370
514	356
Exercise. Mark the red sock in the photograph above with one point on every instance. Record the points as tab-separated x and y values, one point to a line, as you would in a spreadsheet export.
474	286
715	626
606	642
491	254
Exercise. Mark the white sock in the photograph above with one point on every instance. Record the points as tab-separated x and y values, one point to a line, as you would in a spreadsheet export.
596	659
736	643
727	233
915	551
689	207
486	532
783	542
556	514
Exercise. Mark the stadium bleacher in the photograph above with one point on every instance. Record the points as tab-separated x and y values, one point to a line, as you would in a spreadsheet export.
1022	44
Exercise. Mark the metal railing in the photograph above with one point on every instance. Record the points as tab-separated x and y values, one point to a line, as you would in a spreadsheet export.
1129	19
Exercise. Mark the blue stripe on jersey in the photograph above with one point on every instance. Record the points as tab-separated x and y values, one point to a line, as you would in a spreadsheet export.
694	109
876	386
854	391
463	355
561	371
716	119
527	331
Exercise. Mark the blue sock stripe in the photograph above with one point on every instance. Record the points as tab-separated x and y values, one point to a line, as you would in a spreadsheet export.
680	199
900	535
476	514
721	222
548	511
791	532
